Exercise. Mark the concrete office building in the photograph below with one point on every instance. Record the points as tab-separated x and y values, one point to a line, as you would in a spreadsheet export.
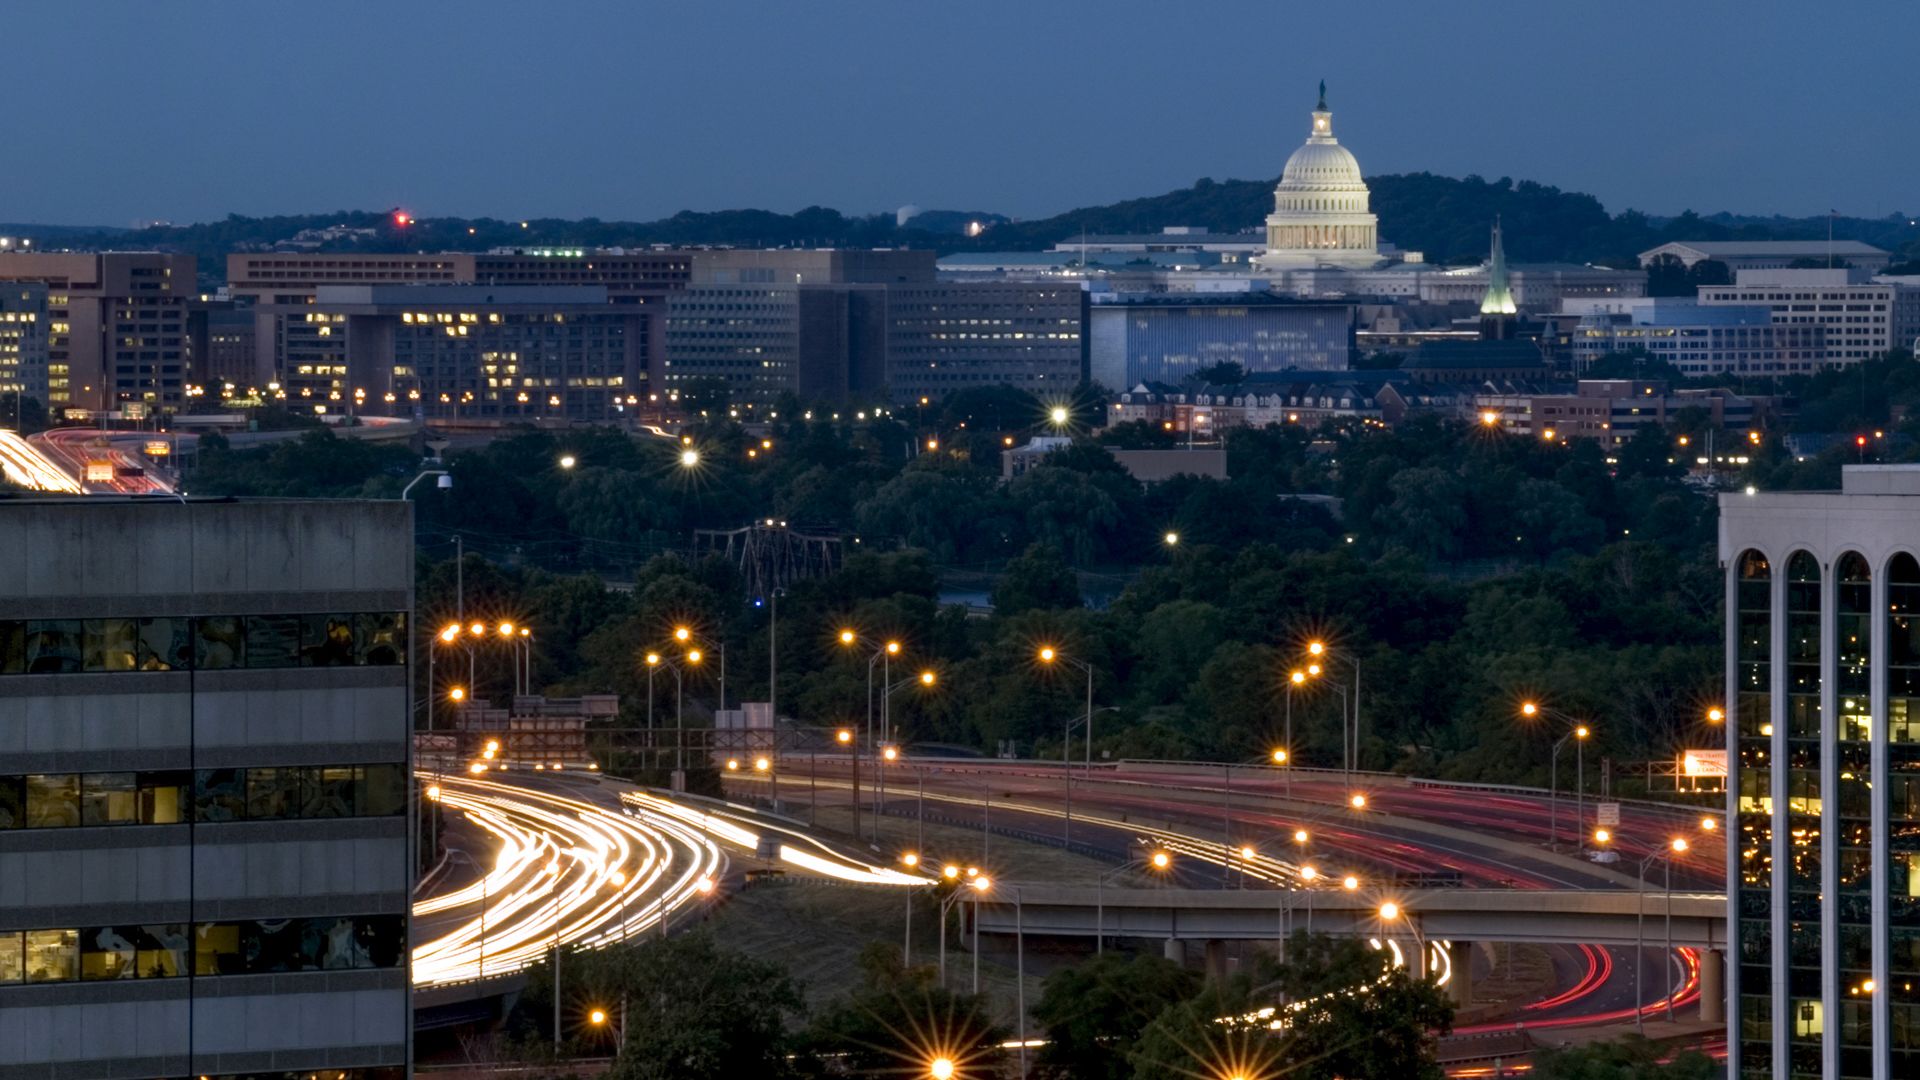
204	865
23	341
117	326
462	352
943	337
1823	788
1738	255
1166	338
635	280
1861	318
1697	339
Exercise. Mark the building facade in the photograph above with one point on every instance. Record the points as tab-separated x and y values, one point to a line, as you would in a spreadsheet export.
277	283
1611	411
1860	318
1739	255
117	330
1700	339
1166	338
943	337
1320	207
1823	748
204	843
23	341
462	352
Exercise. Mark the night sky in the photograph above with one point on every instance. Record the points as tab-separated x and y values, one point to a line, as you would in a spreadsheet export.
117	112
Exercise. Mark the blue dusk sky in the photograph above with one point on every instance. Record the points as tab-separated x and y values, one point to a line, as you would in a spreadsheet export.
117	112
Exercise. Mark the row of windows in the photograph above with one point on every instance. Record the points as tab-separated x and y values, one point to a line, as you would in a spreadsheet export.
173	796
206	642
168	950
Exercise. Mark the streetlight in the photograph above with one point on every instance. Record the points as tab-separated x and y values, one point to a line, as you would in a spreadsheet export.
1158	859
1578	732
689	458
1389	912
979	884
568	461
1050	655
883	654
1321	651
1172	539
940	1068
910	860
1674	848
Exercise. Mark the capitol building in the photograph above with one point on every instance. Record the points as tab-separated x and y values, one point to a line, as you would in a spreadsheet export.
1320	215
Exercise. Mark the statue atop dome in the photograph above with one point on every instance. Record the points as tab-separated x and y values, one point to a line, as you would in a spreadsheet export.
1322	107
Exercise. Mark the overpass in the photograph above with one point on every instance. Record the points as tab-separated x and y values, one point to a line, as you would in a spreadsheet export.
1455	916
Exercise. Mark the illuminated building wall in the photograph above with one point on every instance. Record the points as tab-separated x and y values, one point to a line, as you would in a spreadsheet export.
204	864
117	330
1823	686
23	342
1168	338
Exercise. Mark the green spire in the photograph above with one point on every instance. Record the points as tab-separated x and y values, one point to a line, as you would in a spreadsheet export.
1499	298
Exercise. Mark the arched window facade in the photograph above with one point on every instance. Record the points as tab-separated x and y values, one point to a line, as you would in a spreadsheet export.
1806	1010
1753	722
1901	865
1851	671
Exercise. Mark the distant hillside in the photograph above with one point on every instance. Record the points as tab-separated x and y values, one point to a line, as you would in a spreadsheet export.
1446	218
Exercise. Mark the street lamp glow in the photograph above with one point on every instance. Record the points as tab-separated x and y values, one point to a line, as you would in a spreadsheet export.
1357	801
449	631
1172	539
597	1017
1313	669
1058	414
506	629
1047	654
1716	715
1247	853
689	457
1299	836
845	736
1679	845
982	883
693	656
761	764
910	859
681	633
433	792
1298	677
941	1069
1389	911
893	648
653	658
457	694
1308	873
1316	648
1602	836
733	764
1581	732
1708	824
927	678
1349	883
493	744
478	629
1161	860
848	637
890	753
950	872
567	461
1528	708
1279	757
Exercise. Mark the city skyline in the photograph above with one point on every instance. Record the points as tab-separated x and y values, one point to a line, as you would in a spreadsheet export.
643	112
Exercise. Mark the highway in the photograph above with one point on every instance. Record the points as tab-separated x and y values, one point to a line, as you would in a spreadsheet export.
587	862
22	463
132	472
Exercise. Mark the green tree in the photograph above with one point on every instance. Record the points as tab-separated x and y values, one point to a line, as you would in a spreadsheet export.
1628	1058
898	1021
1093	1012
1038	579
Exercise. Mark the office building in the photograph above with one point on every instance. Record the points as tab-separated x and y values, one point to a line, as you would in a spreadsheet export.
475	353
1738	255
1697	339
637	282
225	349
948	336
117	326
1823	788
204	865
1611	411
23	342
1167	338
1860	318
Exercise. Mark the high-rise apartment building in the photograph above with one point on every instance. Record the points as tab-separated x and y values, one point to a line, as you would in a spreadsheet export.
1823	748
117	326
23	341
204	739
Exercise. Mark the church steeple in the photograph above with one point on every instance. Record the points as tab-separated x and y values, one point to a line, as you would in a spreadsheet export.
1499	298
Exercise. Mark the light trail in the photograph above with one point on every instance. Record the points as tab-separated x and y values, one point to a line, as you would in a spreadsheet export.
23	464
587	875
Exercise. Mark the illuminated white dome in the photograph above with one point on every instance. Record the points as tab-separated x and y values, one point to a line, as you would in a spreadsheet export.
1320	208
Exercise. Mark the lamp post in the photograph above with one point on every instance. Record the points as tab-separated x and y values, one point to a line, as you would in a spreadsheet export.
1066	763
1675	847
883	654
1578	731
1050	655
1159	859
1391	912
1294	678
978	884
911	860
1320	650
845	737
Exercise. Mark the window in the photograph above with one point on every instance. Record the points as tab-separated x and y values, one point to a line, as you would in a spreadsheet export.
13	967
52	955
53	800
52	646
109	799
156	951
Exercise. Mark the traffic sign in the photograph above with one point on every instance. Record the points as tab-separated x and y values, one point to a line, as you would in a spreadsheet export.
1607	813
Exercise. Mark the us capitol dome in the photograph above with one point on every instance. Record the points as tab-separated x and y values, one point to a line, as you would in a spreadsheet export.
1320	215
